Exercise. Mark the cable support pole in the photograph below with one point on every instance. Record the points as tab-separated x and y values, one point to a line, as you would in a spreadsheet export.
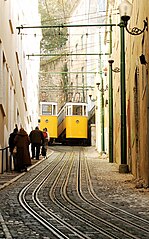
72	87
70	72
65	25
69	54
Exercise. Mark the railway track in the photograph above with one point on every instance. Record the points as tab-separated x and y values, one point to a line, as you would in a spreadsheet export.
62	199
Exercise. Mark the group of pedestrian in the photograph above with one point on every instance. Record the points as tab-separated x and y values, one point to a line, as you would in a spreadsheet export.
19	142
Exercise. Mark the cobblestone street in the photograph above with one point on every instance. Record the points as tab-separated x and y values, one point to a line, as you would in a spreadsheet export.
74	117
119	190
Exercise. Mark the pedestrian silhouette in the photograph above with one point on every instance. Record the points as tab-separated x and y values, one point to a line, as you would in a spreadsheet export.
22	142
11	148
37	139
45	144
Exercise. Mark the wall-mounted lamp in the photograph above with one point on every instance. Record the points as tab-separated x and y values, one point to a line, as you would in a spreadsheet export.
116	69
125	9
93	100
90	96
106	102
98	84
143	60
102	89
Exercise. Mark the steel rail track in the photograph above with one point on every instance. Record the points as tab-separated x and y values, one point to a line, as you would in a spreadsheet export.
130	235
81	218
31	211
40	206
89	214
82	208
65	207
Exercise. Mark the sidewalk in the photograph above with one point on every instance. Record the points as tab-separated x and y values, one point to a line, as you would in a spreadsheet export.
108	170
9	177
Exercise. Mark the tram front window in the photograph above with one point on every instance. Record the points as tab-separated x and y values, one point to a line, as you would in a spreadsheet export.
77	110
46	109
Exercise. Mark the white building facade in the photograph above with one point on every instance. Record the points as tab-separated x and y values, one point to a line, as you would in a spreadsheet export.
18	74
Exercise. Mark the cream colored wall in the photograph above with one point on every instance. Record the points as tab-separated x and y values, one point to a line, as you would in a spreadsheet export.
136	91
138	130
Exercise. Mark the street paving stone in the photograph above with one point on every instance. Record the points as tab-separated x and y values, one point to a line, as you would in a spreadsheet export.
111	186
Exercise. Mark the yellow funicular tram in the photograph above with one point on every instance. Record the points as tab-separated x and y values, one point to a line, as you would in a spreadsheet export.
48	119
73	124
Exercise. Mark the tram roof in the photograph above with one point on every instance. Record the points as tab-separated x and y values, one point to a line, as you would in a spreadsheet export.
48	103
75	103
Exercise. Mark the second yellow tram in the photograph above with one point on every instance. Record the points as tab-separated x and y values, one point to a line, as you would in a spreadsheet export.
73	124
48	119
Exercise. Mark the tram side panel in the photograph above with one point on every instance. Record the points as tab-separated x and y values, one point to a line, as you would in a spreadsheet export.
61	126
76	127
49	122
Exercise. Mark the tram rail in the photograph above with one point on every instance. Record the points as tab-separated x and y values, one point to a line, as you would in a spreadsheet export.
71	208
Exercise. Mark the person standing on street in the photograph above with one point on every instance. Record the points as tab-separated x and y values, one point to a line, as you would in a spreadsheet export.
46	136
22	142
37	139
11	147
46	140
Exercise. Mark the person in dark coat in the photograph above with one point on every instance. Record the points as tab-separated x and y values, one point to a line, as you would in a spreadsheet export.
22	142
11	147
37	139
46	140
11	139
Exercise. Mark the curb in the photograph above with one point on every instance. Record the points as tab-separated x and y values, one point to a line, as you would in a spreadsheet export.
21	174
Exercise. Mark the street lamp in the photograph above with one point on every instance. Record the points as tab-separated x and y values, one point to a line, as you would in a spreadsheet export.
102	89
116	70
110	111
125	9
90	94
93	100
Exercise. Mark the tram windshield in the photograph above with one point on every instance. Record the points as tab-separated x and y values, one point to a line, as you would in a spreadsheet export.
77	109
46	109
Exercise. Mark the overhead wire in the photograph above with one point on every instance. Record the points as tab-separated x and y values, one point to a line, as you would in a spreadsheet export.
80	15
82	20
86	14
